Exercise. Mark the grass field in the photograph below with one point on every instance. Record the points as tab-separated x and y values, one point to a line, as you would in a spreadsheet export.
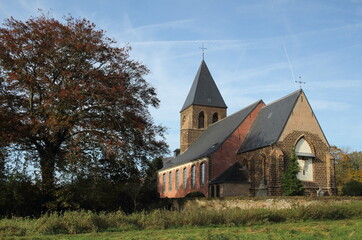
338	229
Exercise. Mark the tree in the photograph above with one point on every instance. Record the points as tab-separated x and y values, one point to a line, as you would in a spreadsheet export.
149	196
291	185
348	166
68	95
355	166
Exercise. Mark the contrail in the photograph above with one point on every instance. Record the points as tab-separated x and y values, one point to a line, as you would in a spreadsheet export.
290	64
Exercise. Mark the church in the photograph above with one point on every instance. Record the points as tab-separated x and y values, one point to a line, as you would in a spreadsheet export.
245	154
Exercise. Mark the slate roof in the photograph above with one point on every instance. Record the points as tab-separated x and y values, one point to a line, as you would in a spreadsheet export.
212	138
234	174
204	91
269	124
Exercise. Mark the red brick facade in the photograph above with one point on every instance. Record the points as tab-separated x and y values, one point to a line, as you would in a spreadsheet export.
218	162
177	191
226	156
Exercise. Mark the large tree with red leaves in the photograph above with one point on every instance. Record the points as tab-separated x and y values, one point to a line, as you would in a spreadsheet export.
68	95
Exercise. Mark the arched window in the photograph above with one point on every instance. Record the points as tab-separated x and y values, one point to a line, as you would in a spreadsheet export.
305	160
193	176
202	174
170	181
177	179
201	120
164	182
263	169
185	178
215	117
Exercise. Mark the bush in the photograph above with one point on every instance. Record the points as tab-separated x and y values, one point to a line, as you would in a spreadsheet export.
352	188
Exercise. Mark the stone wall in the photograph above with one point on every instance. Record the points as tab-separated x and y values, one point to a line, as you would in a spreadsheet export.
265	166
189	123
323	166
234	189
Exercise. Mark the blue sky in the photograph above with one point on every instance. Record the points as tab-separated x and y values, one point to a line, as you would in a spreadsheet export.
255	50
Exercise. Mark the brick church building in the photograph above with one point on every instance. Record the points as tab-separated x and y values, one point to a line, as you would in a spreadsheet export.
244	154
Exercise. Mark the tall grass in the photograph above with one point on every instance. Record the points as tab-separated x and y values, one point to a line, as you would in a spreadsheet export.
74	222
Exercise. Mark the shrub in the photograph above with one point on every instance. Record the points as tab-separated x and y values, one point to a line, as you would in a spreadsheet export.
291	185
13	227
352	188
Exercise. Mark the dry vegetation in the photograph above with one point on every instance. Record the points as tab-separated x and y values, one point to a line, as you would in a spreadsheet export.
196	213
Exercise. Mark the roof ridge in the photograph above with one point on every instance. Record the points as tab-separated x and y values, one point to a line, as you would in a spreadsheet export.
268	127
280	99
255	104
227	117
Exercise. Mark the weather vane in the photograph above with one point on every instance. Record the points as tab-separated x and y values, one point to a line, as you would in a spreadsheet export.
300	82
203	51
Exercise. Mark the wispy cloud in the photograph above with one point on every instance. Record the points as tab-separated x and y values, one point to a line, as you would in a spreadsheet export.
156	27
337	84
252	73
329	105
186	42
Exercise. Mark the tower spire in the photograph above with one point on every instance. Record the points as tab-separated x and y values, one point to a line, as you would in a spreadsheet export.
203	106
204	91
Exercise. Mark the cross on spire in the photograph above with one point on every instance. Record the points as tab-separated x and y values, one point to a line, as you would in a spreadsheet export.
203	51
300	82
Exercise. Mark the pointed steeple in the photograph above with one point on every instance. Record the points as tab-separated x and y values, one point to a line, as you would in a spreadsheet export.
204	91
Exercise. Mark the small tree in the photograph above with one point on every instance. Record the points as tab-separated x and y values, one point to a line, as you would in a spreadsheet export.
291	185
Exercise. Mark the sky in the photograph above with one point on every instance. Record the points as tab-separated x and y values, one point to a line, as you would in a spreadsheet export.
254	50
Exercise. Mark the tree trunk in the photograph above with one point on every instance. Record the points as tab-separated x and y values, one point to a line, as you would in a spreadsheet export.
47	167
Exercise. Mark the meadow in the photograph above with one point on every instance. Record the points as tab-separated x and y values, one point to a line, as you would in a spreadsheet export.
322	218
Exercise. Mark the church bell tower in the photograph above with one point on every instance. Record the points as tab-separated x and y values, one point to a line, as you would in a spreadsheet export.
203	106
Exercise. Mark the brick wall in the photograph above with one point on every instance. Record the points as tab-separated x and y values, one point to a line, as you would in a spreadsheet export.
323	167
179	191
268	164
218	162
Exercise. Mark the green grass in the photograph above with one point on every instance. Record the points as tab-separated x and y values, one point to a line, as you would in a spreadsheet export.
339	229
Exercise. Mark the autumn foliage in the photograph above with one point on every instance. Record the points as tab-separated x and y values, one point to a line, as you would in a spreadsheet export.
72	100
348	168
